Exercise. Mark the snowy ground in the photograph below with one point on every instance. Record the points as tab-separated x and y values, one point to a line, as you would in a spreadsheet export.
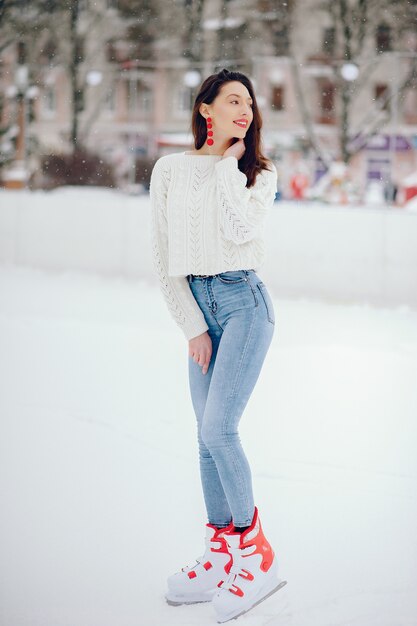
99	479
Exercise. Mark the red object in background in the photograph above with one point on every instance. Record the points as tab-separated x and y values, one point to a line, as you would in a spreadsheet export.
409	187
410	192
298	184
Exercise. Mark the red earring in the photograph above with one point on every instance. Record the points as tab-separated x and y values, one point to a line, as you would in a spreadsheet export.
210	141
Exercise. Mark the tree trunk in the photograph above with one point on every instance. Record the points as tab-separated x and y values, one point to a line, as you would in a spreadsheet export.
305	114
76	93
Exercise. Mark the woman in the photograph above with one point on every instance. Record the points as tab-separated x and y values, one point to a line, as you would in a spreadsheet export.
208	212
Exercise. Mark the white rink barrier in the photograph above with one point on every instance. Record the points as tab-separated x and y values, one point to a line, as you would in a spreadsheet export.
325	252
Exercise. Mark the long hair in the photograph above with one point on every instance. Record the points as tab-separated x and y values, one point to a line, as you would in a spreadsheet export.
252	161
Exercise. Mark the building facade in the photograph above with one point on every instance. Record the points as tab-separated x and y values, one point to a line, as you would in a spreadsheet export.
136	95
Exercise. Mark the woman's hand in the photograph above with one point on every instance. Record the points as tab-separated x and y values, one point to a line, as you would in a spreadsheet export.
200	349
237	150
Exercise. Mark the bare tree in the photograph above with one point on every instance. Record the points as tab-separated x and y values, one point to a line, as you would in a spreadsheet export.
22	26
141	20
277	19
193	39
24	19
354	23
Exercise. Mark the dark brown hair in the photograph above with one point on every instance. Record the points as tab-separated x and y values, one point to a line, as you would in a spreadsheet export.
252	161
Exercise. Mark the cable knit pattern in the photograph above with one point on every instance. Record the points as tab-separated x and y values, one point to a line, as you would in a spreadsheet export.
204	221
242	209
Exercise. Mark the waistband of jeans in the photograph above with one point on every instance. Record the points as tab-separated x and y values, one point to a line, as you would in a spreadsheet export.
192	277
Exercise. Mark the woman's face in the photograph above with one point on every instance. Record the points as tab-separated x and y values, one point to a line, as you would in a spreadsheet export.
233	102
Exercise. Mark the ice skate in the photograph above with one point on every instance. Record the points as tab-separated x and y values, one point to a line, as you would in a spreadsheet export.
252	576
198	583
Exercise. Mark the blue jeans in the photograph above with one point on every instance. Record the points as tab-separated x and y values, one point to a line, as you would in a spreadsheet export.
240	316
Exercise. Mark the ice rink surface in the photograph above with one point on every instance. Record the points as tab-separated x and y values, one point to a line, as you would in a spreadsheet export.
99	477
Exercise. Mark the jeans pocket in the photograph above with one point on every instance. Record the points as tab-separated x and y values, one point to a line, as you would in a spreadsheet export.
268	302
234	276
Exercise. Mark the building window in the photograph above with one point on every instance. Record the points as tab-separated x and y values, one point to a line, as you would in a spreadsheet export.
232	42
281	39
110	99
264	6
277	98
329	40
111	52
184	99
380	94
326	102
383	38
49	100
21	52
145	100
49	52
139	97
270	6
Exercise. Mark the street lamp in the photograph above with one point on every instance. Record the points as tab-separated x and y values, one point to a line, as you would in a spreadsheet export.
192	78
349	71
94	77
17	175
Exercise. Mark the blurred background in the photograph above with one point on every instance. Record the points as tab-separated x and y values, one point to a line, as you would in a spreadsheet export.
94	92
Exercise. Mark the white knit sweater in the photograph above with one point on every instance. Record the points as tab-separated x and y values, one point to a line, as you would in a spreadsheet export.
204	221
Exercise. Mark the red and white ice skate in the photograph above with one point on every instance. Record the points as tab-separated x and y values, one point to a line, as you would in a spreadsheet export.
252	575
198	583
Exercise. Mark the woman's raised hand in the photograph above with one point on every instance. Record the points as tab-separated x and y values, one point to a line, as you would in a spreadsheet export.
200	349
237	150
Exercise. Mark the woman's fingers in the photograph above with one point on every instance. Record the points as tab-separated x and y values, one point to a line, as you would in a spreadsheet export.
203	360
206	366
201	351
207	360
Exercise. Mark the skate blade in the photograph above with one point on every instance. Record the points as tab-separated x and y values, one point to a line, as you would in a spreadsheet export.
179	600
277	588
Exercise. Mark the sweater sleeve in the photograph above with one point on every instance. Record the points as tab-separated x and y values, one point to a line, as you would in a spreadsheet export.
242	209
176	290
